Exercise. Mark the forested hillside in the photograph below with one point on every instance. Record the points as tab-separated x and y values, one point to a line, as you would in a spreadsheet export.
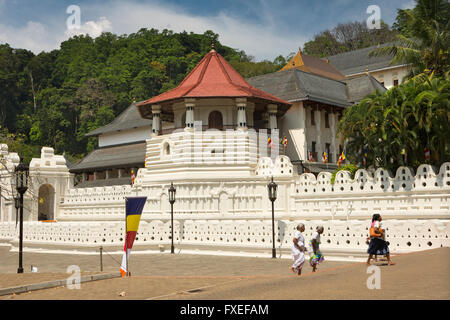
55	98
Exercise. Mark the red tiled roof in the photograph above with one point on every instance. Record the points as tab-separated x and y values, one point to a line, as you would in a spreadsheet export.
213	77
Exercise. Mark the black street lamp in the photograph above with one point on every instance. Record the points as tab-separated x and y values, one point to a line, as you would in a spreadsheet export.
272	187
21	174
172	192
17	205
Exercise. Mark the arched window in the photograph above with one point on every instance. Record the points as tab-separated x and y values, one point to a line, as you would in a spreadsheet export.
166	149
215	120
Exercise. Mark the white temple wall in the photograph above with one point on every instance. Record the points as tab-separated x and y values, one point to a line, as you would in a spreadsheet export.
233	210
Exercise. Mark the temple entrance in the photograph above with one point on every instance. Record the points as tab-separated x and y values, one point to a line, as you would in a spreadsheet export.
46	203
215	120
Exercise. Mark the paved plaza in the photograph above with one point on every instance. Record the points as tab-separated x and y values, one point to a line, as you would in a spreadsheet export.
162	276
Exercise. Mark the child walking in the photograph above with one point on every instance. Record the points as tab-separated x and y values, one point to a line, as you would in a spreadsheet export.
298	250
317	257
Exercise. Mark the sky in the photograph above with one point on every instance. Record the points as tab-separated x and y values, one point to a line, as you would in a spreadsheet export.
262	28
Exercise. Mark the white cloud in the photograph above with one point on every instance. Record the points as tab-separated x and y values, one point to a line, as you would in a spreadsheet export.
261	40
264	40
92	28
33	36
409	5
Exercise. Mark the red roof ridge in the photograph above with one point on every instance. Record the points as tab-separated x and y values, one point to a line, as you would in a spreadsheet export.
213	79
207	59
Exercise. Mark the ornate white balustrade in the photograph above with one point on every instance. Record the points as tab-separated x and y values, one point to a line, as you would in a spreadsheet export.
231	208
343	236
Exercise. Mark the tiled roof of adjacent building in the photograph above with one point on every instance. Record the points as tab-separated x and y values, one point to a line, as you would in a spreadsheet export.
128	119
359	87
358	61
294	85
113	157
314	65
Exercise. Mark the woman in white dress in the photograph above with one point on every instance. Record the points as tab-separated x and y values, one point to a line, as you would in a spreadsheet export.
298	250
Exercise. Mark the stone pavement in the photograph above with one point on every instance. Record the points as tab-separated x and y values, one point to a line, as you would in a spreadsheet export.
419	275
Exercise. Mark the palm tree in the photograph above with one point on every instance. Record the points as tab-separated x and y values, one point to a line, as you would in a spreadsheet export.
396	127
426	44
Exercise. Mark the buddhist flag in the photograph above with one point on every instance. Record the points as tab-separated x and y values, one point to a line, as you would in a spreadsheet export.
364	156
341	158
134	207
310	157
427	154
269	142
133	177
285	141
324	157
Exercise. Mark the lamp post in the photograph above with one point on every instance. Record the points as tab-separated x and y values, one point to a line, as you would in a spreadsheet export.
17	205
172	192
272	188
21	174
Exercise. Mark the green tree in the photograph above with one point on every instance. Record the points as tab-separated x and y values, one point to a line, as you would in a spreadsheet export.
395	127
348	37
424	40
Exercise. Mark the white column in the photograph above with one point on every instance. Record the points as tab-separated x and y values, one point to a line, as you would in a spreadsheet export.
156	115
319	148
190	105
302	128
107	174
241	104
272	110
119	173
332	118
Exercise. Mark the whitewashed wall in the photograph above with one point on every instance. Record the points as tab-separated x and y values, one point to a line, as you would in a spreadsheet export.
225	210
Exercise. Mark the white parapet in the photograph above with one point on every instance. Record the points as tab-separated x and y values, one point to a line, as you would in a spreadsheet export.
228	205
339	235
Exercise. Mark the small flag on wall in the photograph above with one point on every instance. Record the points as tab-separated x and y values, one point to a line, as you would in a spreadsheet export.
341	158
285	141
427	154
133	177
310	157
364	160
324	157
269	142
133	207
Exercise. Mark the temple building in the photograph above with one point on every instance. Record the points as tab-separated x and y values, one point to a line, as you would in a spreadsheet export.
209	139
213	110
319	93
304	101
354	64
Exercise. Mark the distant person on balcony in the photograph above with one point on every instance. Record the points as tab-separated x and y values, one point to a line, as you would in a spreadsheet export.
298	250
378	244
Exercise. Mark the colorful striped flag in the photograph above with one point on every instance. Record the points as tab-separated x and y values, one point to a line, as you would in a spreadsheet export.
269	142
134	207
133	177
324	157
364	156
427	154
284	142
310	157
341	158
